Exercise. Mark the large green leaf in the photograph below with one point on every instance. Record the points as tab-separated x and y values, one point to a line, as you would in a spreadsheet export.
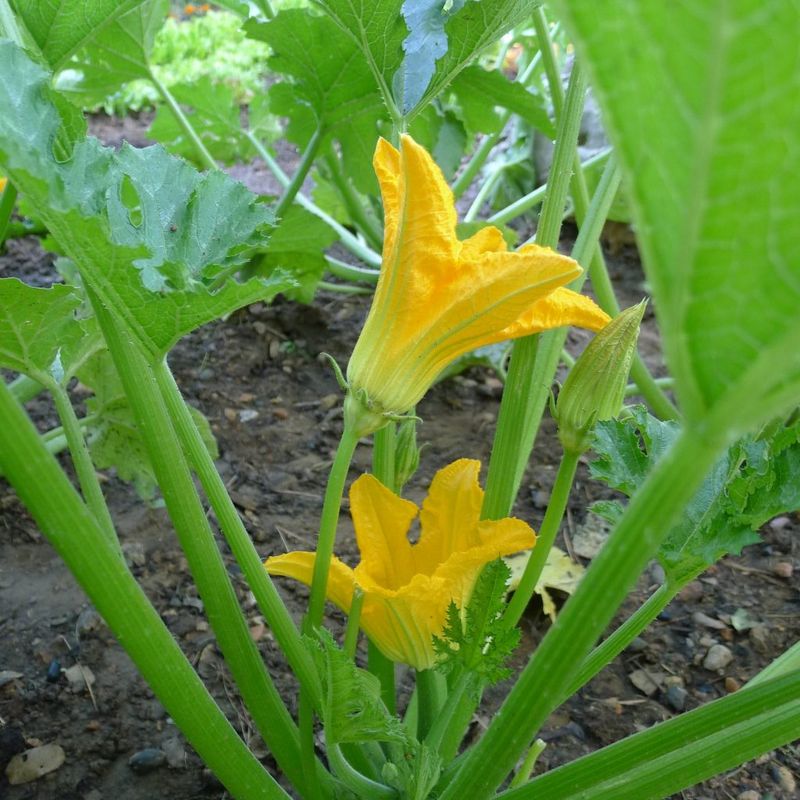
60	27
702	100
150	236
120	52
480	92
328	83
35	325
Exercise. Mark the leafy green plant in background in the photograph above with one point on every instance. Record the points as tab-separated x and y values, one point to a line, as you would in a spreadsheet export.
159	249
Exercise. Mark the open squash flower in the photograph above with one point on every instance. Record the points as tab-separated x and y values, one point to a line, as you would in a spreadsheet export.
408	587
438	297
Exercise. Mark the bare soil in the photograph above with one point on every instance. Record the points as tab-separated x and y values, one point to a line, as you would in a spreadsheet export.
274	408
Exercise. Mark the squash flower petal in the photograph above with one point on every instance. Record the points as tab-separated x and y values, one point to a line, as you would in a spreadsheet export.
438	297
408	587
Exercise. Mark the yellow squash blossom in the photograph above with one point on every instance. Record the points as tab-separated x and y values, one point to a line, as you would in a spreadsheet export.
408	587
439	297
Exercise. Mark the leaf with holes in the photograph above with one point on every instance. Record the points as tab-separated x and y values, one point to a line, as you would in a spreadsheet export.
151	237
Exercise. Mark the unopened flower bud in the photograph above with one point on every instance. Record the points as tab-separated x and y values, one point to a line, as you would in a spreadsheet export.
595	387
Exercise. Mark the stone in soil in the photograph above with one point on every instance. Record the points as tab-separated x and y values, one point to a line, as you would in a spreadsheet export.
147	760
718	657
32	764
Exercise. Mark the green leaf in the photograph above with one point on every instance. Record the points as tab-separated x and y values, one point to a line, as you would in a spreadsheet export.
118	53
710	168
480	92
353	710
754	481
60	27
149	235
36	325
329	85
297	248
213	113
479	642
113	438
477	25
376	27
415	774
425	44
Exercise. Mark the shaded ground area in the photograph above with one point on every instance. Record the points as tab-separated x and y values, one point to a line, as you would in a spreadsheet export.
274	408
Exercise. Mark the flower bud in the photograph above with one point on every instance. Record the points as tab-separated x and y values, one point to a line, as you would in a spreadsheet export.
406	452
595	387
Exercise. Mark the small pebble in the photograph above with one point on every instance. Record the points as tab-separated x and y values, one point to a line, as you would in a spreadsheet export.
780	522
783	569
732	685
718	657
88	622
638	645
786	780
32	764
692	592
53	671
759	636
676	697
134	554
79	677
703	619
175	752
147	760
748	795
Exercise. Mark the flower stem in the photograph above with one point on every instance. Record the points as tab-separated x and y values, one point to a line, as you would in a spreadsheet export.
383	455
349	272
75	534
544	542
361	785
82	461
555	663
432	692
524	773
353	244
327	528
290	191
266	595
206	159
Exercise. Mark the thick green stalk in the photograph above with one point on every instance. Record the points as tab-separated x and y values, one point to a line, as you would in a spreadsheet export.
611	647
82	461
343	288
547	535
353	244
74	533
349	272
365	222
680	752
197	541
358	783
383	461
440	734
551	69
266	595
191	134
526	389
295	184
557	660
